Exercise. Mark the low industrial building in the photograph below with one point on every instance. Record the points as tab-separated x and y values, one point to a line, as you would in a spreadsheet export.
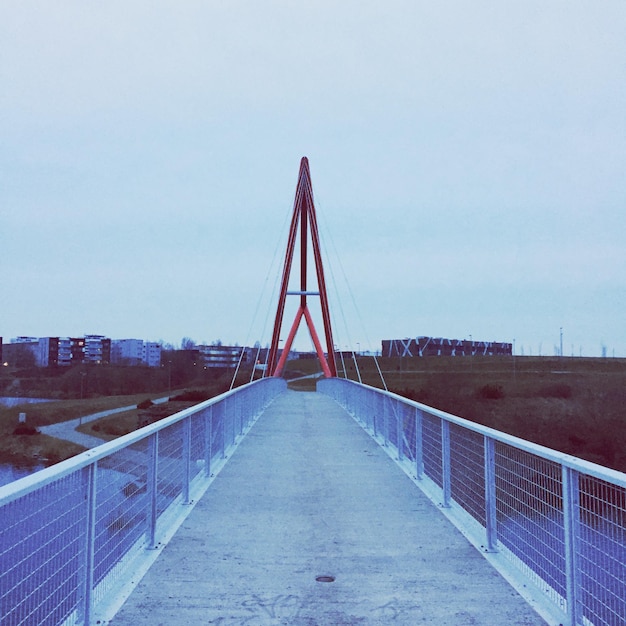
439	346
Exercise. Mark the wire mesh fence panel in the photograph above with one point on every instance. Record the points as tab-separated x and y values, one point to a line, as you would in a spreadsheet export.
170	466
228	423
217	432
42	554
407	421
121	511
431	448
246	411
198	440
602	551
365	409
377	415
530	514
467	458
393	430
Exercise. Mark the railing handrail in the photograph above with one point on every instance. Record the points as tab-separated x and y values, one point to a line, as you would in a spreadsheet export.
587	467
27	484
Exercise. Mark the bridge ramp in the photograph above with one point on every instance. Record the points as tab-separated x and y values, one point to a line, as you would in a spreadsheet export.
309	494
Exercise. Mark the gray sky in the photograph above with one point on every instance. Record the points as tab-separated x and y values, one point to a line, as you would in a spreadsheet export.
468	161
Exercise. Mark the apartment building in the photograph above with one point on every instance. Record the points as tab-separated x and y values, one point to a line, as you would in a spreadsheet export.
136	352
222	356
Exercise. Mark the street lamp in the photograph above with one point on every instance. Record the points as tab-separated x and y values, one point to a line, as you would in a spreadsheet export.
82	380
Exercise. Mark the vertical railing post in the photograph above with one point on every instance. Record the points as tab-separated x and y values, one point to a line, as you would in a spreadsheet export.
90	539
223	420
153	461
186	458
359	407
373	410
232	412
208	440
239	405
571	522
419	446
248	408
445	461
399	429
490	494
385	421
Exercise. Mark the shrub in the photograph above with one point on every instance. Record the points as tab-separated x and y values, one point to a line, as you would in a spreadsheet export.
25	430
558	390
490	392
145	404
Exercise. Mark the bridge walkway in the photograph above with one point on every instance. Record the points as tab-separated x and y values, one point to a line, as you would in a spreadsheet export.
309	494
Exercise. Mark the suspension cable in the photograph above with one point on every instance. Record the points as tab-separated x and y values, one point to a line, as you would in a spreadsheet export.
354	304
271	269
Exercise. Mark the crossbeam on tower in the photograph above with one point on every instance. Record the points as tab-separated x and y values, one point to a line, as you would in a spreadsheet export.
304	219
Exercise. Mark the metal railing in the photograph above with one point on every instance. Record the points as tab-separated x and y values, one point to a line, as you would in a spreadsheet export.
71	535
550	518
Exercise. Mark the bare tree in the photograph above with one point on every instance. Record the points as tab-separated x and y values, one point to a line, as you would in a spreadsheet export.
187	343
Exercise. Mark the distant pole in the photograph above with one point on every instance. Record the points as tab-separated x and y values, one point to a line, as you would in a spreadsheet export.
82	380
514	372
561	348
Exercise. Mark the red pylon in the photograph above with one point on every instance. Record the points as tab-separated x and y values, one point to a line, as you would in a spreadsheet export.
303	216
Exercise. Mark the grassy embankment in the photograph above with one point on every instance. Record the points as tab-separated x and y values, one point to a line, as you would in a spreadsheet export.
37	448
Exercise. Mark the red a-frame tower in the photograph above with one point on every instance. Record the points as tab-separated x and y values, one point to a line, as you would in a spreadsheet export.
303	215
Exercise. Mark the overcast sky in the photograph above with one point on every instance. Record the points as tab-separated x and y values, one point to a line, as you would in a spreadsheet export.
468	161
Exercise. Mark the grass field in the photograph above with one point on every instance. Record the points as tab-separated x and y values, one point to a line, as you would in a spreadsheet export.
37	448
575	405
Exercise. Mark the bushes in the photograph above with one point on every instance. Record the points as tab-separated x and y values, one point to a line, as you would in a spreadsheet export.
192	395
23	429
490	392
557	390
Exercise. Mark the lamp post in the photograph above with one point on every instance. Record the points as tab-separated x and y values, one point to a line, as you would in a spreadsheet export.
82	380
514	372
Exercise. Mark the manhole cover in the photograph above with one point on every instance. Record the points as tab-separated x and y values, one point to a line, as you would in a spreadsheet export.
325	579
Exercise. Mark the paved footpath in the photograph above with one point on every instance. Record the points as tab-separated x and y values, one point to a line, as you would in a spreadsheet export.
309	494
67	430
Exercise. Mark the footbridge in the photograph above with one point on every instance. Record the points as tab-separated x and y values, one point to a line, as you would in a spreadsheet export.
346	506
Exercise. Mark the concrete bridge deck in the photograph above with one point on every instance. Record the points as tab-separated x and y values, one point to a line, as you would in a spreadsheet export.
309	494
